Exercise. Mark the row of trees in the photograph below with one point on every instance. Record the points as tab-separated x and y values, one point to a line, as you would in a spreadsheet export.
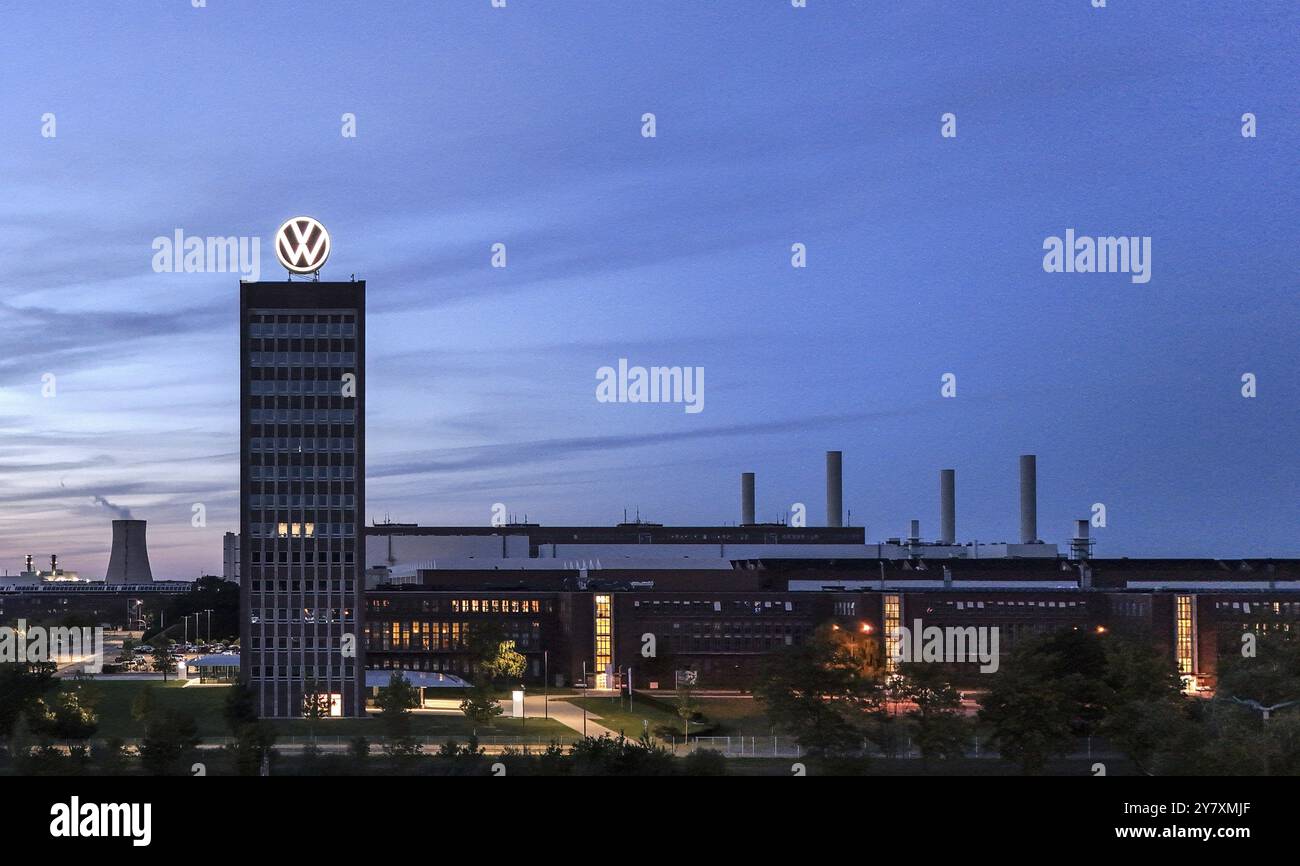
48	729
1050	694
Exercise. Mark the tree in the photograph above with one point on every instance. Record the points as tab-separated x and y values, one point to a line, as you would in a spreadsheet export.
1252	727
1144	710
1031	706
144	705
480	704
359	751
170	740
110	756
240	708
164	656
253	747
824	690
619	756
209	592
1267	679
687	707
940	729
704	762
21	686
67	719
505	663
20	742
315	706
396	700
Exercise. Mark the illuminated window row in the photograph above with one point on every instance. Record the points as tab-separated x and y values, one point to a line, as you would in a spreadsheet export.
496	605
655	605
301	530
442	636
1184	644
1277	607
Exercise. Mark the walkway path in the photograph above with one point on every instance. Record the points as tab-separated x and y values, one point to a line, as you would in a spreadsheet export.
560	710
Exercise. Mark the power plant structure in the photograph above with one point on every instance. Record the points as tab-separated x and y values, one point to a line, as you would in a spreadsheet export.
578	599
129	561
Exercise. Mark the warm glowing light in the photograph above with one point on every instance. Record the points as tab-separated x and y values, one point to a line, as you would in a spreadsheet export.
866	628
1101	629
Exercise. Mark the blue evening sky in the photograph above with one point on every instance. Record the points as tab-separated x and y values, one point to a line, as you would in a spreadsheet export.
775	125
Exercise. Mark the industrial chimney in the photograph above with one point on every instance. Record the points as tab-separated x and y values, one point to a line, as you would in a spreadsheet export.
1081	544
948	506
834	488
129	561
1028	499
747	498
29	563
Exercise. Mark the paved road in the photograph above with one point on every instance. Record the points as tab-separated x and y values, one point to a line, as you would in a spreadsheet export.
561	711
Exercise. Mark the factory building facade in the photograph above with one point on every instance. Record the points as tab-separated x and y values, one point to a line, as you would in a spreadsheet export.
658	619
302	491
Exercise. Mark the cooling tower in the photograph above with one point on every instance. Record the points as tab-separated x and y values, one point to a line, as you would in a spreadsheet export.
129	561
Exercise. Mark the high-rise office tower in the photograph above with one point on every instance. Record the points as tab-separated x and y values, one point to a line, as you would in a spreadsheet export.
230	556
302	494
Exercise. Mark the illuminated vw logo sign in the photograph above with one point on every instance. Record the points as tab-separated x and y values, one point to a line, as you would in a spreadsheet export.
302	245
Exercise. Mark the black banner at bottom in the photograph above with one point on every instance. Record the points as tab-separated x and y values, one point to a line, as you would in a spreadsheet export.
218	815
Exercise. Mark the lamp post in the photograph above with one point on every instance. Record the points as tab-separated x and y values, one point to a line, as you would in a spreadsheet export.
546	686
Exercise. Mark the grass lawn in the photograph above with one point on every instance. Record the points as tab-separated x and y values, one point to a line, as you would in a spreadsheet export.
613	714
900	767
204	703
736	716
726	716
429	725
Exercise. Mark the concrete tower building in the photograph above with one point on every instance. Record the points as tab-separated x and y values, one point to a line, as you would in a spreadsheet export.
129	560
302	495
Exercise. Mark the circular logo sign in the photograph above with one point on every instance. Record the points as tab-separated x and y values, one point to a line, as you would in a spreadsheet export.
302	245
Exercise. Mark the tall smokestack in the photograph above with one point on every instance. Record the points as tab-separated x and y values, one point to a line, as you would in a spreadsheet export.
29	563
54	562
915	537
947	506
747	498
834	488
1028	499
129	561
